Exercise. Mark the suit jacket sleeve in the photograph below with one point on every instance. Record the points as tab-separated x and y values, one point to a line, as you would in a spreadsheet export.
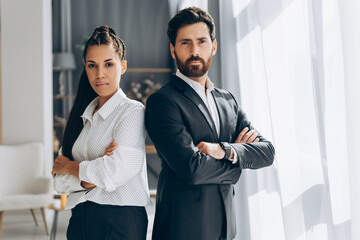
252	155
163	120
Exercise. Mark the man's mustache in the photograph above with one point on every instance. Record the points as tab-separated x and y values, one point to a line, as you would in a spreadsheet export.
197	58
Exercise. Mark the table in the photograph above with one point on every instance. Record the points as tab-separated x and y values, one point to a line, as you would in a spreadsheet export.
56	213
55	220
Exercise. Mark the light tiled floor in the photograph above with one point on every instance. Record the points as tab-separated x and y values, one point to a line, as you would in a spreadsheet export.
19	225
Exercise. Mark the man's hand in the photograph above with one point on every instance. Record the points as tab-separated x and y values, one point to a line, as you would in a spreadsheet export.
59	166
212	149
247	137
109	150
87	185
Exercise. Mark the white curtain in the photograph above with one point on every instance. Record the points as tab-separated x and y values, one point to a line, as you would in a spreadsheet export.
177	5
295	78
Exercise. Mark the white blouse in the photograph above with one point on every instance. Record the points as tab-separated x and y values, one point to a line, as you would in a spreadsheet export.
121	178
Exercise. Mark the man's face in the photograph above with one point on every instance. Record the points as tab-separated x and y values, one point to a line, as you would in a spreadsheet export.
193	50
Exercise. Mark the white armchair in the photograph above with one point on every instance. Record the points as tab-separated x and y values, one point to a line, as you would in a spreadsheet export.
21	183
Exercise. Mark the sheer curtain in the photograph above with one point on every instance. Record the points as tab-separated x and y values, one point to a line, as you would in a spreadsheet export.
294	75
176	5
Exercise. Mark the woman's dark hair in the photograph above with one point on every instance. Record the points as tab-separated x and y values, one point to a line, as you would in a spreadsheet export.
188	16
103	35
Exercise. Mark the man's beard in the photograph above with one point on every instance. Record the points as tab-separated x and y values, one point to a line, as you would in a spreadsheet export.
193	70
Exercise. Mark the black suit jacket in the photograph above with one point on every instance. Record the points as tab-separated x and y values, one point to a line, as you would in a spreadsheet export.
195	191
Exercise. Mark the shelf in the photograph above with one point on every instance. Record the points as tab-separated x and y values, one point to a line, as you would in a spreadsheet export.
150	149
152	193
150	70
59	124
63	97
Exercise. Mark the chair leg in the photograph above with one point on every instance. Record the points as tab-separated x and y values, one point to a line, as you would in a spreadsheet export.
33	215
1	218
44	219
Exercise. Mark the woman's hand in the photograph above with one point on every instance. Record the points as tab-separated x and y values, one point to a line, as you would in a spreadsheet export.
63	165
109	150
87	185
59	166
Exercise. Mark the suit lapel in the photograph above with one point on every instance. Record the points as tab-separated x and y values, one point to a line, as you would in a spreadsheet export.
190	93
221	104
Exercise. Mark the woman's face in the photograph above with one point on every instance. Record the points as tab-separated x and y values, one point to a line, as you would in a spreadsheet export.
104	69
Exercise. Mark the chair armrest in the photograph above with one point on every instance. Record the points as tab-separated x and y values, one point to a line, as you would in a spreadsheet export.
42	185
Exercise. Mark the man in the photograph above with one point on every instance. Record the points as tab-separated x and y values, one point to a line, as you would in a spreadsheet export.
203	138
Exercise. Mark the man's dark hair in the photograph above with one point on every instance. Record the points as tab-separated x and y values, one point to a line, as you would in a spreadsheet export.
188	16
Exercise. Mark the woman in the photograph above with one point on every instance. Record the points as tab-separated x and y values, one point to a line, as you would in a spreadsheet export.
102	164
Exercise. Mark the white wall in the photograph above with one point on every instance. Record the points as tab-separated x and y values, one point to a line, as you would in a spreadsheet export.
27	73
